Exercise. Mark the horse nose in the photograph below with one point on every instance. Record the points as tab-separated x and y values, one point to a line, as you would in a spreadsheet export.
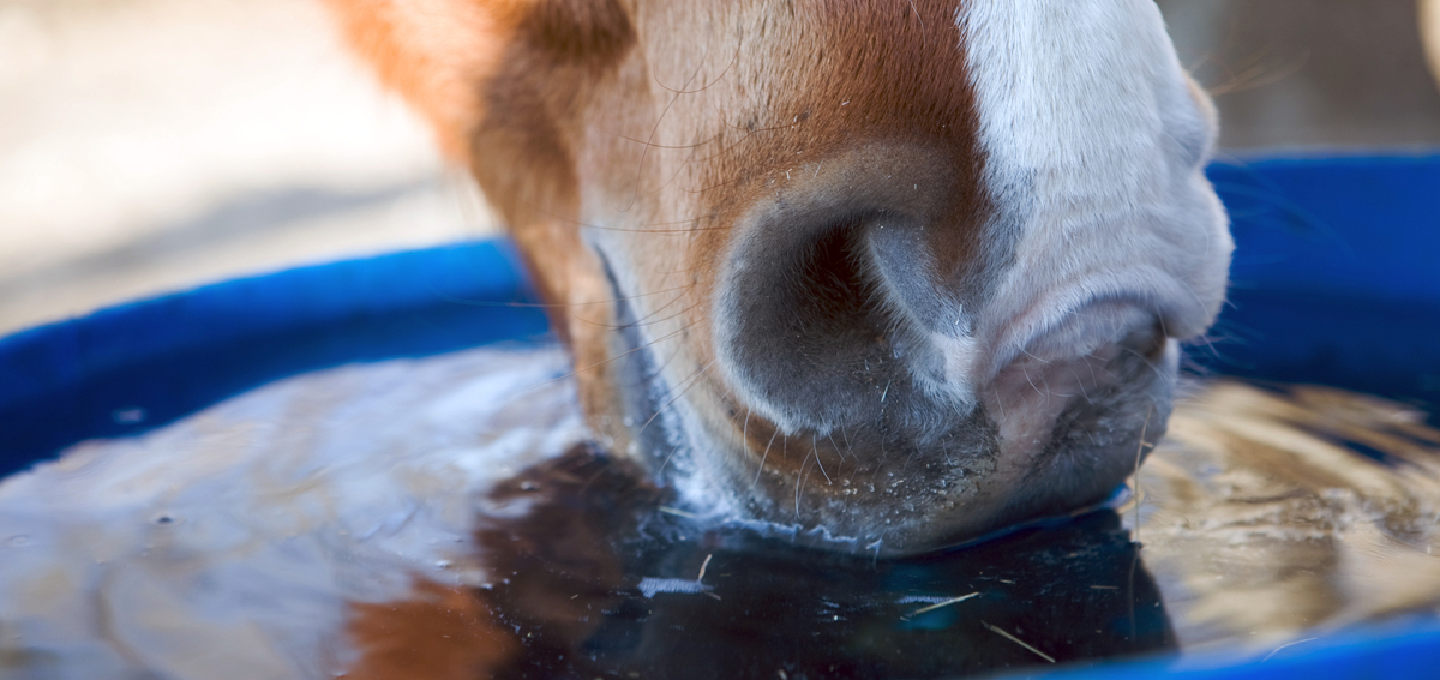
893	301
961	362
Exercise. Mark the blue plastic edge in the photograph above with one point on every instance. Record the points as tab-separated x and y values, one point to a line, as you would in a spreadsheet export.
128	369
1378	651
69	351
1336	275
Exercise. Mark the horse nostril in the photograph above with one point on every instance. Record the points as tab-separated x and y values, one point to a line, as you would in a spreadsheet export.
805	330
830	293
836	284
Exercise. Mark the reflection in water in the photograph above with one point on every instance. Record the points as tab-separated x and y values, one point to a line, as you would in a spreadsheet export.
595	579
226	546
1271	515
438	519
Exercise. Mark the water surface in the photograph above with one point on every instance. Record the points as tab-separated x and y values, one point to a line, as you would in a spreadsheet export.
445	518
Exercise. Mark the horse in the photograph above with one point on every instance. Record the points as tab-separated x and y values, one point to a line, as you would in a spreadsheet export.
904	271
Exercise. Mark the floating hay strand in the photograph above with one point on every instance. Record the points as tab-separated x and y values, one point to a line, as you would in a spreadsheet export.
938	605
1288	644
703	566
677	512
1001	631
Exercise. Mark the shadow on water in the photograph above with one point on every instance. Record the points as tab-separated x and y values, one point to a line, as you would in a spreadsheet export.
596	577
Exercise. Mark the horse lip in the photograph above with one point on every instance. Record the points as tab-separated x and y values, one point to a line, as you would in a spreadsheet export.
1152	293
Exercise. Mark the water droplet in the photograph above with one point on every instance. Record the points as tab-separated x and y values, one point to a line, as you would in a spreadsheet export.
129	416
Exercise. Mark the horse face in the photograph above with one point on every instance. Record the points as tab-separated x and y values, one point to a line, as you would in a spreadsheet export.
910	271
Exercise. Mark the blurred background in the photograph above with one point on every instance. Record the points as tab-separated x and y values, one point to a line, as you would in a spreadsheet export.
154	145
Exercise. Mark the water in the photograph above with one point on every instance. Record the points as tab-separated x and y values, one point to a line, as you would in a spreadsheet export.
1274	515
228	545
444	518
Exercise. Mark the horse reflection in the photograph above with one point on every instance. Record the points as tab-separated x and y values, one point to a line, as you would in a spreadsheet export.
593	575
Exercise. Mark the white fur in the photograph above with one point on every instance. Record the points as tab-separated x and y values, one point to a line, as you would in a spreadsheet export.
1094	145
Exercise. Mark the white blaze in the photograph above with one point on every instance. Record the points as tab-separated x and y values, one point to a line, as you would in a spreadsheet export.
1094	145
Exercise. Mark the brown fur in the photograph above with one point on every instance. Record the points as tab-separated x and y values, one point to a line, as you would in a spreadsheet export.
438	633
504	84
673	119
553	574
